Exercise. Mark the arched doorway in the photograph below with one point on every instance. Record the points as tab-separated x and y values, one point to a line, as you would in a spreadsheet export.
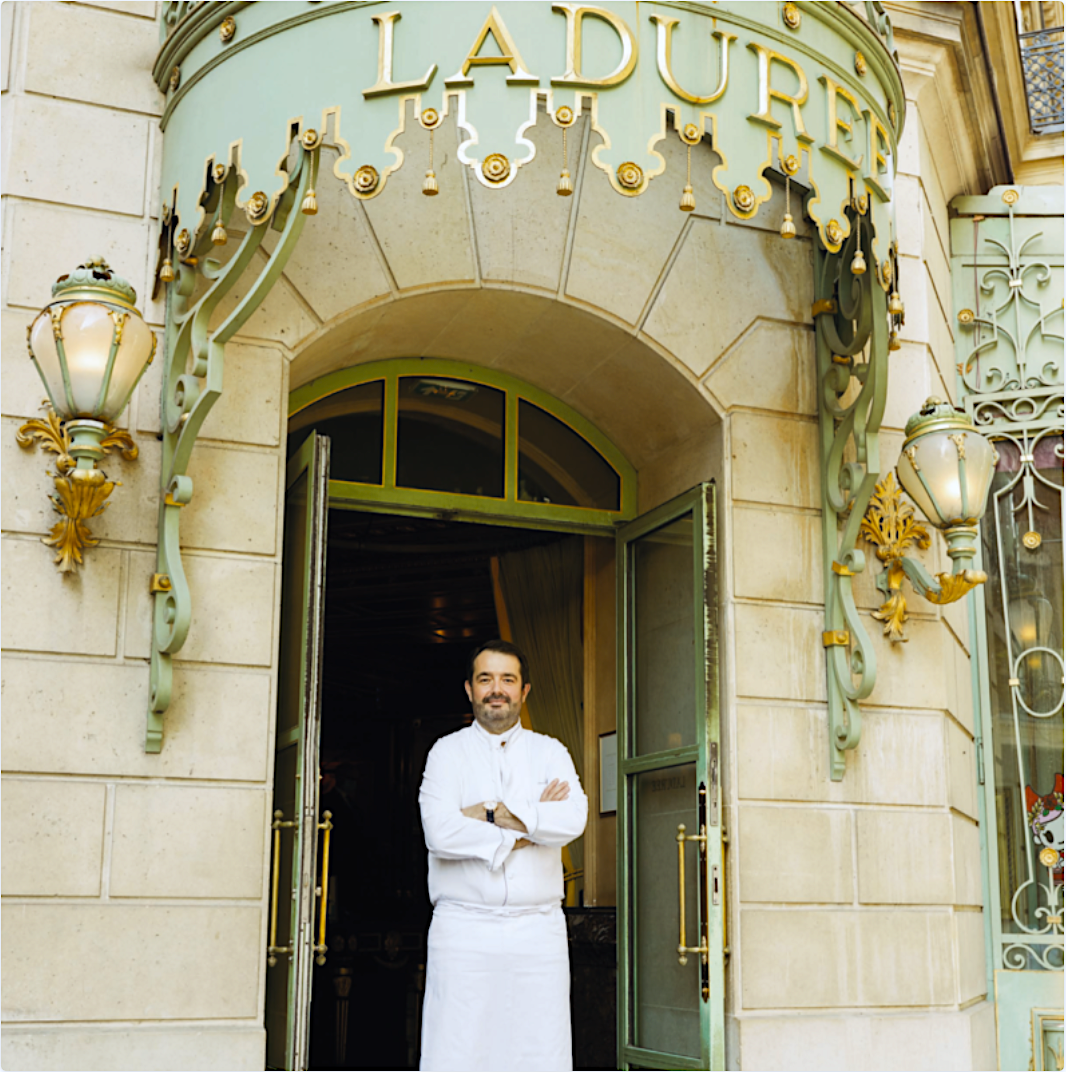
432	505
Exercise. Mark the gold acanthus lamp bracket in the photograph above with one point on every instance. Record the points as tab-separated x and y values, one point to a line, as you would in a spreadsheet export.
81	493
890	524
946	466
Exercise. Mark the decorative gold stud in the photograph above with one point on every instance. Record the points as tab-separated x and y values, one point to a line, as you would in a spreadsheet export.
183	242
743	198
310	139
630	175
858	263
1032	540
257	206
227	29
966	316
496	168
834	233
1010	197
790	16
366	179
175	79
860	64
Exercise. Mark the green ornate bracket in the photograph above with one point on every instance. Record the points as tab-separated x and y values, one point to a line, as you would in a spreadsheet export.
194	363
851	312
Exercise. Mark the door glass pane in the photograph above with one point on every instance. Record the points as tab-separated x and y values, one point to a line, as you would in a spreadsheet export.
450	436
557	465
663	659
664	995
355	423
1022	544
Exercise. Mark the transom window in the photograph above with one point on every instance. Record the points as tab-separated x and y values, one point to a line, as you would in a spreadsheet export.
442	435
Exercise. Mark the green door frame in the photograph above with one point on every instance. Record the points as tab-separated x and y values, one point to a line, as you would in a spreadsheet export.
707	969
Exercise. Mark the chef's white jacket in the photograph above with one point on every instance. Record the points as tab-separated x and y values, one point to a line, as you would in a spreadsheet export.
472	862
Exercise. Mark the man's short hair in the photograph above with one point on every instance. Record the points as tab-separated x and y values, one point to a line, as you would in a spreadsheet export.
504	647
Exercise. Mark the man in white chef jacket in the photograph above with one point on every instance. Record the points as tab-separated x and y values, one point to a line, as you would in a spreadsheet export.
498	803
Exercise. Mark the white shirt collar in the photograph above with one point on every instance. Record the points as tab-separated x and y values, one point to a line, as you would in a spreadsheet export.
498	739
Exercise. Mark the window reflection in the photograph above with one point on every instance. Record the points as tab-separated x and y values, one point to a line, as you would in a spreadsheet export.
355	423
1022	544
556	465
450	436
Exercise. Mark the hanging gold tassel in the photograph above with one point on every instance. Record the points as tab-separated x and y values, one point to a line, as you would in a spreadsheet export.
429	185
565	186
688	198
895	304
218	235
893	340
309	206
788	228
166	273
858	263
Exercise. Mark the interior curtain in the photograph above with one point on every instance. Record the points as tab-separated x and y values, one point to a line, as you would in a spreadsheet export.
542	590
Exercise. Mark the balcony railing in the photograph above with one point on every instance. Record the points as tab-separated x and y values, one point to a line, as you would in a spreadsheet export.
1042	66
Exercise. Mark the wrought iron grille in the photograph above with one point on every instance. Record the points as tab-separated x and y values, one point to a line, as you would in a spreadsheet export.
1042	66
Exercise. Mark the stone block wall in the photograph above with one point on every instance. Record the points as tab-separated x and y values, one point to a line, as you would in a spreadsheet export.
133	884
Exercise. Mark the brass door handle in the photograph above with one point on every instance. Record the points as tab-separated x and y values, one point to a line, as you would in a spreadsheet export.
273	949
326	826
683	949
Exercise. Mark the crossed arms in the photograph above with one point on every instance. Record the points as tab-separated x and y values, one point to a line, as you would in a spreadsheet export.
457	833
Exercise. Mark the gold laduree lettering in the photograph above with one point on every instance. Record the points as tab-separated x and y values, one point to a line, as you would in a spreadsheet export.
385	84
509	56
767	93
836	125
664	58
573	76
878	161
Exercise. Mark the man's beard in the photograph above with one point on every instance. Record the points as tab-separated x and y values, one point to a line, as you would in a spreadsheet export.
497	718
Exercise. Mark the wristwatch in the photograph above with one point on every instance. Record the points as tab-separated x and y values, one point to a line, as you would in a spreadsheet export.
490	810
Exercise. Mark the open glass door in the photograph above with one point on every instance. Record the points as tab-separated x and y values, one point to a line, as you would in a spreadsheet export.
295	831
671	884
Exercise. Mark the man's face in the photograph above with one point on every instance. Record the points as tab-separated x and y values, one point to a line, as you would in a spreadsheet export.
496	693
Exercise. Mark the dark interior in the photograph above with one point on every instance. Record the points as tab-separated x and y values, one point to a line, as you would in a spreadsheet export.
407	599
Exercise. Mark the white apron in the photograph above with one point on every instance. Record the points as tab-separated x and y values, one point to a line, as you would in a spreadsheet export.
497	991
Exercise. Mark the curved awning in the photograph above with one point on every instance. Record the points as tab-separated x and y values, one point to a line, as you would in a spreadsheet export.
808	90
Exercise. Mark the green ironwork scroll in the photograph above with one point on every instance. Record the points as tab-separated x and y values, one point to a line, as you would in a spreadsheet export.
852	332
194	364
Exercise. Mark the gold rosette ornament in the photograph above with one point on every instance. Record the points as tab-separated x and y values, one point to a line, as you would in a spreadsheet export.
630	176
496	168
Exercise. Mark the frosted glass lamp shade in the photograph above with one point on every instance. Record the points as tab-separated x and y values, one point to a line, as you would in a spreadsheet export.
90	345
946	466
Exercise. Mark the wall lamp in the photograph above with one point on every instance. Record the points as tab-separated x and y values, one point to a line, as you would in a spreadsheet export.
90	347
946	466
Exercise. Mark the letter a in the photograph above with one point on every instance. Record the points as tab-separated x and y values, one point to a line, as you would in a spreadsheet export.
509	56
